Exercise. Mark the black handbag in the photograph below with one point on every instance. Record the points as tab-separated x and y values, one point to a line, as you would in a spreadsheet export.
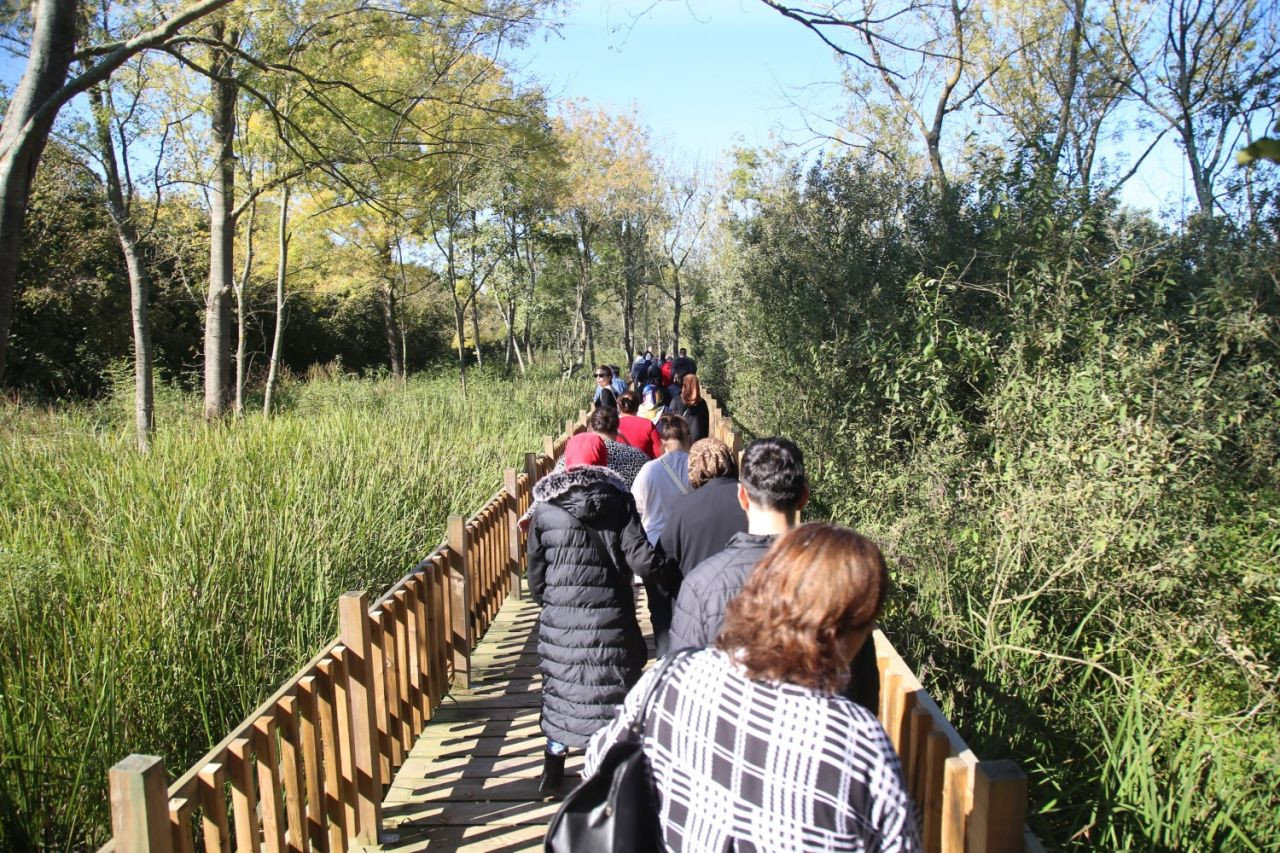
615	810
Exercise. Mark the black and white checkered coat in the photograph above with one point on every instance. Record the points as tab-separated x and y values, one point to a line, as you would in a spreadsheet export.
752	765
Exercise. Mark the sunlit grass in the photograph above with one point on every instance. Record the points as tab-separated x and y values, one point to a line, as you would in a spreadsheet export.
148	602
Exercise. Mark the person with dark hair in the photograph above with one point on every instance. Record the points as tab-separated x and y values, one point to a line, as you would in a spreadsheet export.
618	384
673	391
606	399
749	744
772	491
692	406
604	379
640	369
585	541
702	522
625	460
639	432
668	365
684	364
653	399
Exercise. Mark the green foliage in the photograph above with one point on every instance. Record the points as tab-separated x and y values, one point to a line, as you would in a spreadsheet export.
1062	424
147	603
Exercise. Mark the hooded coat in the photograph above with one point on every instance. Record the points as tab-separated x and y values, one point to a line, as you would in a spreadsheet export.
589	643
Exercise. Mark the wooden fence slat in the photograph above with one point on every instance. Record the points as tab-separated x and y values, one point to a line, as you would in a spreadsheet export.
346	745
999	808
310	737
956	800
920	724
353	623
406	668
140	805
270	799
244	795
936	751
511	482
460	600
391	685
381	710
214	825
291	768
332	808
181	810
439	631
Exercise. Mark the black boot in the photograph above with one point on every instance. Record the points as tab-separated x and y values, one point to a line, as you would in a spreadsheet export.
552	773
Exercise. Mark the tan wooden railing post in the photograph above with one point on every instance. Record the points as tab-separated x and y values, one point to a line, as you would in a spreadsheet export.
460	582
140	805
511	481
353	622
999	808
549	447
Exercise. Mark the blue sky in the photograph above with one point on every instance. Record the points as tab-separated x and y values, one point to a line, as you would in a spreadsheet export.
705	75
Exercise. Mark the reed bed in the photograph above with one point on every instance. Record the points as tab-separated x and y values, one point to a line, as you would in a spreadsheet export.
147	603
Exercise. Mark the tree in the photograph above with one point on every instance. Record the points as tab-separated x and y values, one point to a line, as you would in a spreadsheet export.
689	207
45	88
1204	69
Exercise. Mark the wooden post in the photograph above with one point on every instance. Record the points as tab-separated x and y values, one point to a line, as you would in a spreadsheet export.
353	621
270	804
956	801
140	805
309	736
460	581
548	448
244	795
936	751
999	808
331	743
511	481
213	809
181	810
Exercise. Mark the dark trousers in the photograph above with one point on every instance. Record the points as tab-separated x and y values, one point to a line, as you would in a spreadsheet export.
660	601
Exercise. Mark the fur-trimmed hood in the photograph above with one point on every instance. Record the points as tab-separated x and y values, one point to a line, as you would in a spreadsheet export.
583	492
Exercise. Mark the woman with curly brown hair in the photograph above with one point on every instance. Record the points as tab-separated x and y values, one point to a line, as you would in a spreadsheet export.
750	744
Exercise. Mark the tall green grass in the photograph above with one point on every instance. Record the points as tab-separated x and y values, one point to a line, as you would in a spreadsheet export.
147	603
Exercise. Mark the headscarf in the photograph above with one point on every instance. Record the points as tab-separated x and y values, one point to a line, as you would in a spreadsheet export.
585	448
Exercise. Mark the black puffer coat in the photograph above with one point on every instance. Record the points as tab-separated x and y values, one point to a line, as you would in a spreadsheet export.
589	642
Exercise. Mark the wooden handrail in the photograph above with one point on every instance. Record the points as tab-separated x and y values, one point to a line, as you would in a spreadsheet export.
309	766
964	804
307	769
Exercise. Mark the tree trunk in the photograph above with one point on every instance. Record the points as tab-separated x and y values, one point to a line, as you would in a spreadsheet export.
391	325
139	283
222	226
677	301
22	139
282	266
475	322
530	296
242	311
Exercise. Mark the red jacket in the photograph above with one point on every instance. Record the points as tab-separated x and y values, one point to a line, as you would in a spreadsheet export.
640	432
667	366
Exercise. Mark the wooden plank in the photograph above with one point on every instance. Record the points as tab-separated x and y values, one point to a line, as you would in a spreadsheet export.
291	768
330	806
471	839
511	480
421	652
406	662
440	632
270	798
310	737
937	750
346	765
460	600
244	795
920	724
999	808
140	805
353	622
181	810
956	802
474	813
378	690
214	826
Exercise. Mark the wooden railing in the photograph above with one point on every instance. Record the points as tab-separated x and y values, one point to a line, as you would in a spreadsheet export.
964	804
308	768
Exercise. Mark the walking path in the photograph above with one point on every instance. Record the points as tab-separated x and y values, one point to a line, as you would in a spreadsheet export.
471	780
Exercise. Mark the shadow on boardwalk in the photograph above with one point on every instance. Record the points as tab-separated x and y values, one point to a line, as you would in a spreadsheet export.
471	780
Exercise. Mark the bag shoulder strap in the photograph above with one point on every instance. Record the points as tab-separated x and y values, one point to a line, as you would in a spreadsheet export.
662	460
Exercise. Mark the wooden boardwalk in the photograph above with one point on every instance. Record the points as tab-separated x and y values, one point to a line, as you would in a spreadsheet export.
471	780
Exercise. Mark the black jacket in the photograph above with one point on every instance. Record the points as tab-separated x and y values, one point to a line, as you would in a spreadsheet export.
589	642
696	416
702	522
698	614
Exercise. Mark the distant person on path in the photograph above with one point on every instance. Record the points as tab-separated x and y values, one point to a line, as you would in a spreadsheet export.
657	486
702	522
692	406
750	745
684	364
606	399
585	541
604	379
653	397
668	365
640	369
773	490
618	384
639	432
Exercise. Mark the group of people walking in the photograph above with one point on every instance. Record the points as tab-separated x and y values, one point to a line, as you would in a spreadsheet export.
766	737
